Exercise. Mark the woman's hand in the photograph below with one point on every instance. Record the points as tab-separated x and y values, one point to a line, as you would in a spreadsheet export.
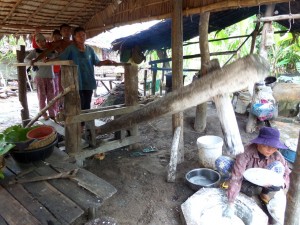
229	211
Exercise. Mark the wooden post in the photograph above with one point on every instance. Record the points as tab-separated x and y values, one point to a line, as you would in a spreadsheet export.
177	65
145	81
174	156
162	54
293	196
251	123
72	107
131	93
230	129
201	110
154	74
22	86
240	73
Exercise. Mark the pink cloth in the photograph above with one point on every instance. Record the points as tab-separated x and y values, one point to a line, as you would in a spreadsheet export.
45	92
251	159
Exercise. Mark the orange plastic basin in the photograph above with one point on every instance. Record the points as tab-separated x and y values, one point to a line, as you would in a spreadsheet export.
40	132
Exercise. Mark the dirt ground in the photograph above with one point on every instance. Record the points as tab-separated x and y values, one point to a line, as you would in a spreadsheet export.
144	197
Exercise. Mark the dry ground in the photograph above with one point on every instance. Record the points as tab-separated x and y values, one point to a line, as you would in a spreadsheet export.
144	197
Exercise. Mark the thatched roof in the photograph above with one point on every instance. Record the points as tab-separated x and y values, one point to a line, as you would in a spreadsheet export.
159	35
21	17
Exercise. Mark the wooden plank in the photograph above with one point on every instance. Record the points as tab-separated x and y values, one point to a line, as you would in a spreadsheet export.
107	147
85	179
2	221
95	184
32	205
65	210
13	212
100	114
80	196
59	62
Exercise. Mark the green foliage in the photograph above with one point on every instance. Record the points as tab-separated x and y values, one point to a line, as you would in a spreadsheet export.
16	133
12	135
285	54
4	146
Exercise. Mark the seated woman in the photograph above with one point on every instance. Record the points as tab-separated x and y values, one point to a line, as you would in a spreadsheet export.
262	152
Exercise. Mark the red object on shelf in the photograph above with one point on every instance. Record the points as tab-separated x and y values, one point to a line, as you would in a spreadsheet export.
40	132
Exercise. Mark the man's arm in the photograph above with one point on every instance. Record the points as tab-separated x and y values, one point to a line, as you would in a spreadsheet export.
53	47
106	63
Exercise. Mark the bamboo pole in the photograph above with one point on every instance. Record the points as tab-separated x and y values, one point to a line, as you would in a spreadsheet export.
51	103
231	78
277	18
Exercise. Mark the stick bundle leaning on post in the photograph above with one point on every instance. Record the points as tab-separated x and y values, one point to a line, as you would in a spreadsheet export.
63	93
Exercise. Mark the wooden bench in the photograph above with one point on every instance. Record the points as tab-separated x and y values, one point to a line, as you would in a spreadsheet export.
61	201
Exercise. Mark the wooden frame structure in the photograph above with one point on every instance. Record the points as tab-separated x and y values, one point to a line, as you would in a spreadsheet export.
72	114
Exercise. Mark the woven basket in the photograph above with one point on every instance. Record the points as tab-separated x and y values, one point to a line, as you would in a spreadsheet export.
42	143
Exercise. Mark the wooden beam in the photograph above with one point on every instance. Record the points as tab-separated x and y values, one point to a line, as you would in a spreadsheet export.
192	56
229	125
214	7
277	18
99	114
62	63
231	78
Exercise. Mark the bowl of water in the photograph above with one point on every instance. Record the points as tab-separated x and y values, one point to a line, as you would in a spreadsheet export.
202	177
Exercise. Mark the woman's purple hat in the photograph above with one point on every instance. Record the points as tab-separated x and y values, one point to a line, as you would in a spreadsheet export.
269	136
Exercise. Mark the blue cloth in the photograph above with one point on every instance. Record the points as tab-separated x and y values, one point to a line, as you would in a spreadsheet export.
85	62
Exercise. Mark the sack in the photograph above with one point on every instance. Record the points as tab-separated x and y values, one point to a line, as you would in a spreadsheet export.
263	111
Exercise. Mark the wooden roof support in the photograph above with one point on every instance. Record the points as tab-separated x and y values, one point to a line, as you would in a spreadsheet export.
22	87
201	110
251	123
277	18
177	65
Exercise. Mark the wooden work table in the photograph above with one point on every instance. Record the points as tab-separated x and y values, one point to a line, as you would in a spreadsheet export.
61	201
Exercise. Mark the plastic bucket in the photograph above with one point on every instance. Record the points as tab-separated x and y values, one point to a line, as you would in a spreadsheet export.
209	149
